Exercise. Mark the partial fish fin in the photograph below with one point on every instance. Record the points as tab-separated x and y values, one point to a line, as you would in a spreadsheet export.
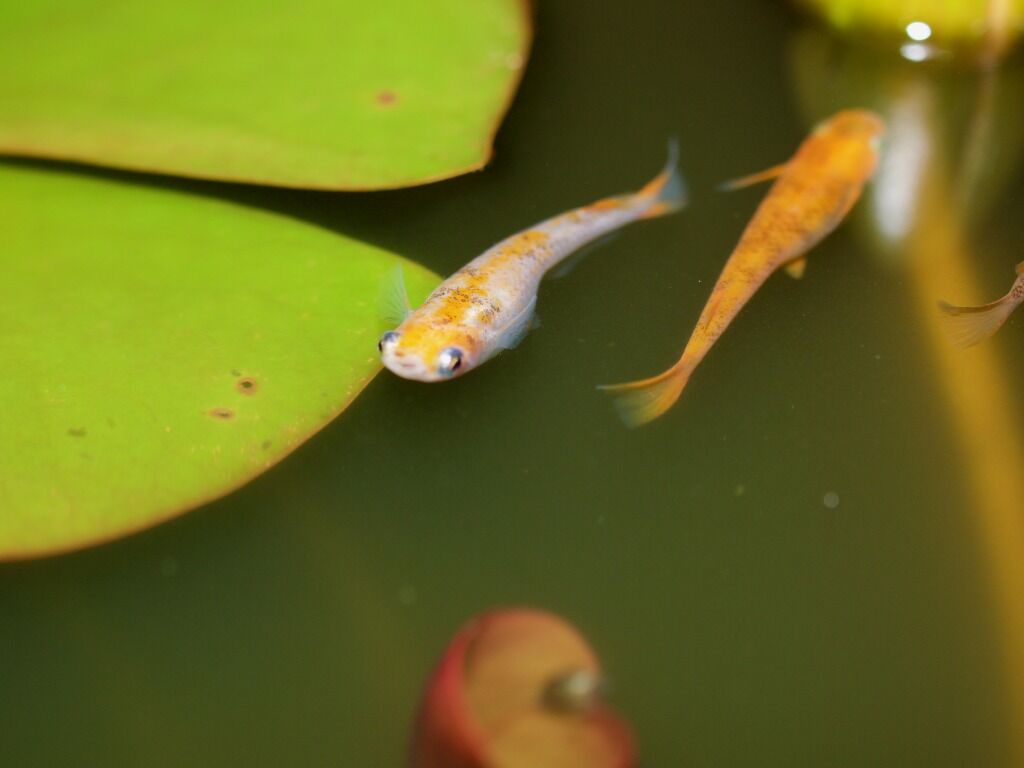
568	265
640	402
394	300
969	325
519	326
755	178
796	268
1020	268
668	188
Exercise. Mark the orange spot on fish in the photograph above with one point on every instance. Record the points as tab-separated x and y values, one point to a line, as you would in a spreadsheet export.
609	203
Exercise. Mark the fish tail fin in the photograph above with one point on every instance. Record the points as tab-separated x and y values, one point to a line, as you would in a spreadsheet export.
969	325
640	402
668	188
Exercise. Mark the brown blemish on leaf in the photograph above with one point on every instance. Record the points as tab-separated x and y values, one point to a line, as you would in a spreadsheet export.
77	432
387	98
247	385
223	414
266	445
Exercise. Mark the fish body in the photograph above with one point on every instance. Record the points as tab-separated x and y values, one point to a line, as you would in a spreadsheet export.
969	325
488	305
812	193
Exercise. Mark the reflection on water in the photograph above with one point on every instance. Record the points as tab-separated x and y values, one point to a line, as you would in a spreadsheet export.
921	208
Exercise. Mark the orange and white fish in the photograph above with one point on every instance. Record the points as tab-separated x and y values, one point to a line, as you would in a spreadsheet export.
969	325
488	305
814	190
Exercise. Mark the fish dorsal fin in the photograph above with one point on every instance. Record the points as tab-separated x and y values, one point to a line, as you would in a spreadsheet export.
394	300
755	178
796	268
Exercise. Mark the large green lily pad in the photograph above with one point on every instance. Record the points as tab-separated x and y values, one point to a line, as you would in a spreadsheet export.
333	94
159	349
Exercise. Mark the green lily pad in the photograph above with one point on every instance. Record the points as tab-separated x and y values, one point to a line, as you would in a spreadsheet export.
333	94
160	349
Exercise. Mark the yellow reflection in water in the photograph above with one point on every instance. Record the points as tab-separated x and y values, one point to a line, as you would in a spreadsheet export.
919	208
916	203
986	417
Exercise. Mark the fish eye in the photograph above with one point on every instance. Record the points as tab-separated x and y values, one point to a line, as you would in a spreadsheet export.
387	339
449	361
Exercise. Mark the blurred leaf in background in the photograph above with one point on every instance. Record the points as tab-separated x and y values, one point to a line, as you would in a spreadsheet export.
981	28
332	94
160	349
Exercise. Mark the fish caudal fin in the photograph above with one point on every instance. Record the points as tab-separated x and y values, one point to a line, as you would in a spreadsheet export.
969	325
640	402
668	188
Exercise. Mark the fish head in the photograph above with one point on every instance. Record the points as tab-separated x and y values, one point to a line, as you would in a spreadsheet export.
850	143
857	127
426	352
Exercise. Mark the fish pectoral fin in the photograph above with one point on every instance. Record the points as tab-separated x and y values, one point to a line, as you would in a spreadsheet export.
969	325
394	300
755	178
519	326
796	267
640	402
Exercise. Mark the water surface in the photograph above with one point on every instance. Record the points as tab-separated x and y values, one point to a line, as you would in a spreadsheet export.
788	569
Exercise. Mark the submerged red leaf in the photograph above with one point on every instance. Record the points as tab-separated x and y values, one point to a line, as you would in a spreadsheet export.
519	687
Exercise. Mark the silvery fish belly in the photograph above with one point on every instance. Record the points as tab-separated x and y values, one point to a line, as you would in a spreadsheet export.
488	305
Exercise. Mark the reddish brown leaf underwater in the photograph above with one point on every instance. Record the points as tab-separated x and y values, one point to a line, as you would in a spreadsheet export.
519	687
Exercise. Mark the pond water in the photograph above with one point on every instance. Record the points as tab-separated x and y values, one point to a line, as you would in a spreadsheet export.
809	561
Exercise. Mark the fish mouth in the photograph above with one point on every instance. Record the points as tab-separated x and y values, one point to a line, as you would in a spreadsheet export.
407	368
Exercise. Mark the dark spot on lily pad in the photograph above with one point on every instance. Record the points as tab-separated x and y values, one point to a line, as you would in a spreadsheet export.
77	431
387	98
247	385
224	414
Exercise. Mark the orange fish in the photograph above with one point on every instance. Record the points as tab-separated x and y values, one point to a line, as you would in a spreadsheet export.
969	325
813	192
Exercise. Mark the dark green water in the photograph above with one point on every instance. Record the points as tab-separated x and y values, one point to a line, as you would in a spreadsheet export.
743	620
